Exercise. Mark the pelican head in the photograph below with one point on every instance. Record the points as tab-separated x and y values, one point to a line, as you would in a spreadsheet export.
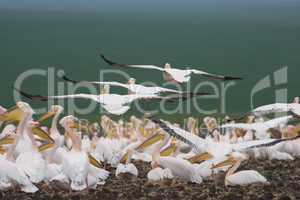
210	123
231	160
54	110
105	89
25	107
167	66
2	110
131	81
250	119
200	158
296	100
68	121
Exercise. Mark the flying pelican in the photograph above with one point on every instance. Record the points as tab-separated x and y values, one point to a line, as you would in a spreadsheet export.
293	108
132	87
244	177
260	128
173	74
113	103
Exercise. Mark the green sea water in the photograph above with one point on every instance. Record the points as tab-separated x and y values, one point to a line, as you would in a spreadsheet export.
251	43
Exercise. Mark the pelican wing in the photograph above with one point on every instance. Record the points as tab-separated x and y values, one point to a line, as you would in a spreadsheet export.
278	121
114	64
271	108
247	145
147	67
241	126
214	76
182	135
71	96
83	82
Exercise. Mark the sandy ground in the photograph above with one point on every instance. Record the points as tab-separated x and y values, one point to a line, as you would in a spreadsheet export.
284	177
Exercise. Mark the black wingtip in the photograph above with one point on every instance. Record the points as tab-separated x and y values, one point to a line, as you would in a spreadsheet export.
106	60
231	78
188	95
64	77
32	97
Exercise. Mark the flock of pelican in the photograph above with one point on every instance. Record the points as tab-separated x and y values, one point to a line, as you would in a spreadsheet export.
76	153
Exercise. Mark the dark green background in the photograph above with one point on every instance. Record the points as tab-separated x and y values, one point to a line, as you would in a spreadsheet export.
247	41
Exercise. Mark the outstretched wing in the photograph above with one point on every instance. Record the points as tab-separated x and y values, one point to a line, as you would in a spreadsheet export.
214	76
168	98
240	126
191	139
114	64
46	98
278	121
83	82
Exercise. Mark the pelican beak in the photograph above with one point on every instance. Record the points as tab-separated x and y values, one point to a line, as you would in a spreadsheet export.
44	147
143	132
2	150
169	150
151	140
6	140
93	161
42	134
230	161
80	127
13	114
124	158
46	116
200	158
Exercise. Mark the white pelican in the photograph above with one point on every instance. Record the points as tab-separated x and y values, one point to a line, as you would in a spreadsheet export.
58	139
158	174
132	87
29	159
180	168
293	107
76	163
113	103
244	177
177	75
220	149
260	128
126	166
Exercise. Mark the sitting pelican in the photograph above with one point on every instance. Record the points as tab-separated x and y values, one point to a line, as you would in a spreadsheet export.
76	163
172	74
180	168
244	177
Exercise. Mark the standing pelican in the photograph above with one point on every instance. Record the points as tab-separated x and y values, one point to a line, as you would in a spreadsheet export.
58	139
172	74
29	159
